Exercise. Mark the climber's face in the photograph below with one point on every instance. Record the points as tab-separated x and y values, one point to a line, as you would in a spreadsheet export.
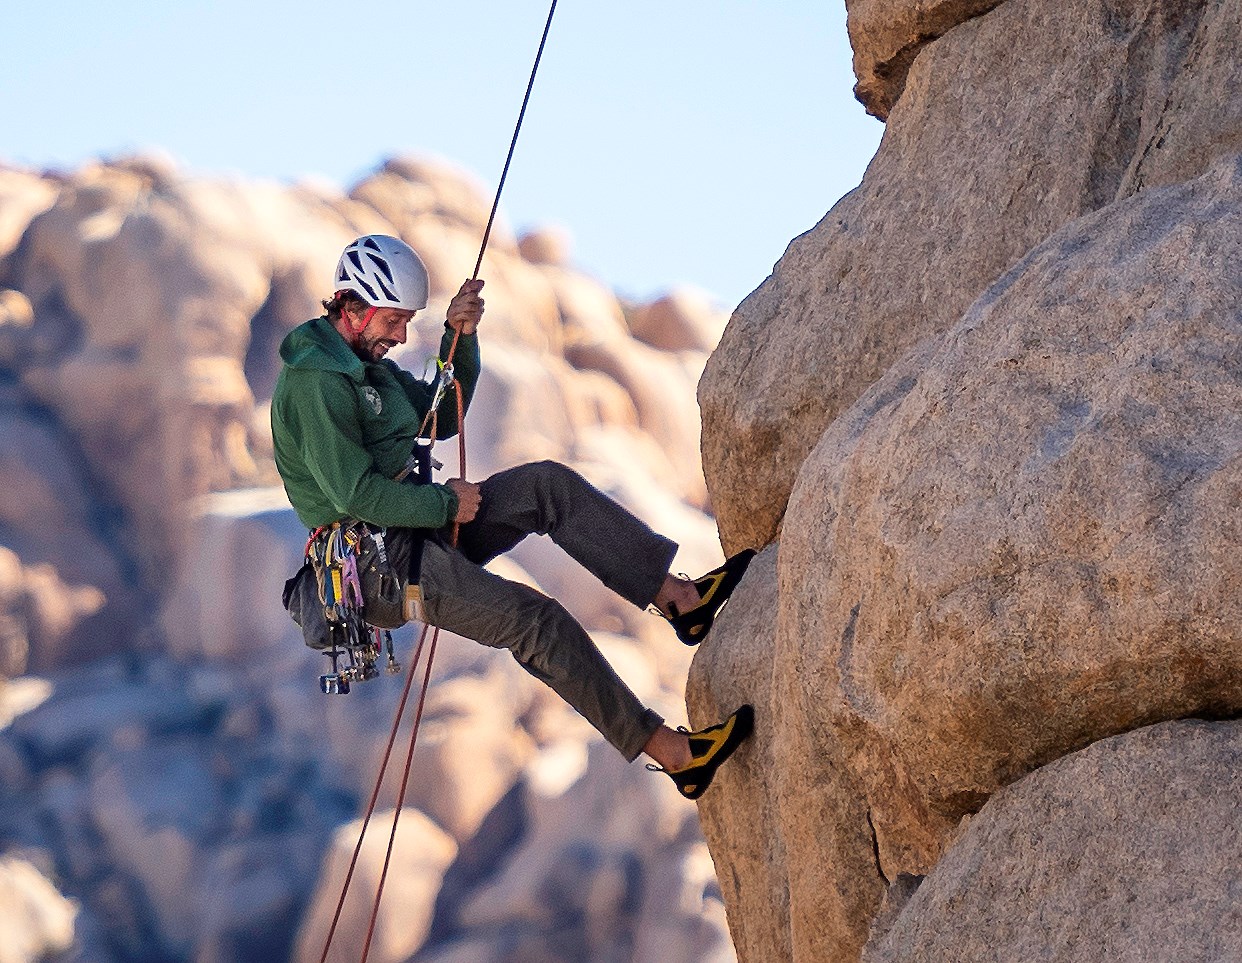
384	331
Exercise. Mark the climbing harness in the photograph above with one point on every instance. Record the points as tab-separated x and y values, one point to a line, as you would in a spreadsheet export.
420	461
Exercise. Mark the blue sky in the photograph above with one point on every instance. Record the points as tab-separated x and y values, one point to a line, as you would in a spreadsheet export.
680	143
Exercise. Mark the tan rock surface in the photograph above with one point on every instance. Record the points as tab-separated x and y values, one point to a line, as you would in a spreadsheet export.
546	245
888	34
1005	132
682	320
23	196
732	667
38	920
420	856
583	884
1022	539
72	598
470	751
1128	850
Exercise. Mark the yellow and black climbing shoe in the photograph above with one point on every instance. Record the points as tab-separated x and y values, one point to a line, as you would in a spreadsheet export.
710	747
714	590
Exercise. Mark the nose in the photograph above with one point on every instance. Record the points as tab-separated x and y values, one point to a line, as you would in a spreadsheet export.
399	333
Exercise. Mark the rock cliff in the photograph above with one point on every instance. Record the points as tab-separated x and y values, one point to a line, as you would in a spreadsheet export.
990	413
177	787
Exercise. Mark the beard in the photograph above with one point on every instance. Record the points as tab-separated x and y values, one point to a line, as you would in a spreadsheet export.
372	349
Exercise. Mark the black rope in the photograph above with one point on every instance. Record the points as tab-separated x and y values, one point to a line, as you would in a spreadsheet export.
513	143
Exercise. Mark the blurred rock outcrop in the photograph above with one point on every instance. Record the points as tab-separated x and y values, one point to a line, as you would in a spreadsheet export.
38	920
186	782
991	411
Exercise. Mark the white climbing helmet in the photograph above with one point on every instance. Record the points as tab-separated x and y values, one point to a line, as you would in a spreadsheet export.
384	271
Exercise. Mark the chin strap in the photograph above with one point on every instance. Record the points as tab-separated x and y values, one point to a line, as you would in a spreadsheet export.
366	319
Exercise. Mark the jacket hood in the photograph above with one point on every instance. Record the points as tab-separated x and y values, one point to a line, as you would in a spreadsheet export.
319	346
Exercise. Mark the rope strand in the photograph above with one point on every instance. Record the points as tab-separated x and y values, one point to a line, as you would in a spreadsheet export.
461	444
392	737
487	233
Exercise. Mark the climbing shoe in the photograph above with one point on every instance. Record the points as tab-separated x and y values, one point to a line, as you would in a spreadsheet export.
714	590
710	747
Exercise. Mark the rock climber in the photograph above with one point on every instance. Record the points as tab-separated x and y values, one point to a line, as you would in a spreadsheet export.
344	422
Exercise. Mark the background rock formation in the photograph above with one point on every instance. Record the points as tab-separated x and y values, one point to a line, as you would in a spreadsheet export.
989	411
173	768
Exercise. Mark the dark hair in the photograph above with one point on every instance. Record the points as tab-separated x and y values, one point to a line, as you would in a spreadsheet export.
341	300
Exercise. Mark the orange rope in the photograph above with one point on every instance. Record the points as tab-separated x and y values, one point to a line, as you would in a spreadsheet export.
392	736
422	697
431	419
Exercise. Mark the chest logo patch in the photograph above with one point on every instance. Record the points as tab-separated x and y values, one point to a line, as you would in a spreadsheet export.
373	399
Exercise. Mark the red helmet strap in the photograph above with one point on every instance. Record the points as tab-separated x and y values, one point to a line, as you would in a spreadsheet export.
366	319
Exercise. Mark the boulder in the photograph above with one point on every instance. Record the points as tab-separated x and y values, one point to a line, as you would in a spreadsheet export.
38	919
1128	850
79	600
259	887
23	196
1006	132
156	807
224	596
546	245
733	666
421	854
1021	540
582	884
16	322
151	387
470	752
45	623
888	34
682	320
597	339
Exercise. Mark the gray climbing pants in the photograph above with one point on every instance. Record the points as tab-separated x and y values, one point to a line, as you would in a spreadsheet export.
623	553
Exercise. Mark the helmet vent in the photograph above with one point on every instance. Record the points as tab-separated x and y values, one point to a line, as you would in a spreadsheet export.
388	292
382	265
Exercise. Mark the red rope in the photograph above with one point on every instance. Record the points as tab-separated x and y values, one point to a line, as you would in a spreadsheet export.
422	696
392	737
418	714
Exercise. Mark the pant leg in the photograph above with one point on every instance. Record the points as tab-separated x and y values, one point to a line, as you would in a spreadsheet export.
547	642
547	498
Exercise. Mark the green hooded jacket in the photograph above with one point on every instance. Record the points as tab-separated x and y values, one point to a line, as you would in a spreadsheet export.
342	429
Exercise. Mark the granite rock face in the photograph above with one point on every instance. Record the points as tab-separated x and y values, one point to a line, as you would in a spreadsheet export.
888	34
1128	850
990	407
1005	133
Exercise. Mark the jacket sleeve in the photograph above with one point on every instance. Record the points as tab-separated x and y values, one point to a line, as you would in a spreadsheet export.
324	412
466	367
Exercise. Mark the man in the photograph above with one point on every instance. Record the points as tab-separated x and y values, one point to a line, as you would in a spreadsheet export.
344	421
